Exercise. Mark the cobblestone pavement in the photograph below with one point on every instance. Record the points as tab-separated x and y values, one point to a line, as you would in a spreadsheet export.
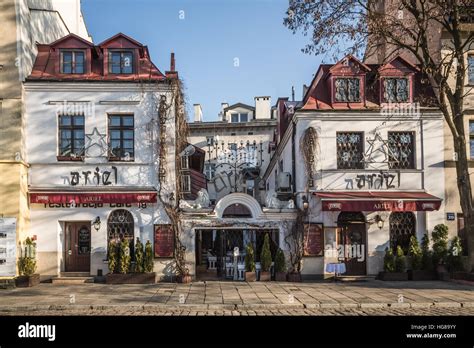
241	298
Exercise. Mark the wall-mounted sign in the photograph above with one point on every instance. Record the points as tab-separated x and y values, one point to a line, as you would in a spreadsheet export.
7	247
74	199
97	177
450	216
381	181
164	241
313	240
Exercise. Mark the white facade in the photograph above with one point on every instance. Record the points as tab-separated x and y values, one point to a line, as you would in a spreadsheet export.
44	102
428	175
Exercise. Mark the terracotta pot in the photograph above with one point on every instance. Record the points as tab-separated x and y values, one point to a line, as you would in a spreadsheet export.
250	276
265	276
184	279
393	276
130	278
294	277
280	276
27	281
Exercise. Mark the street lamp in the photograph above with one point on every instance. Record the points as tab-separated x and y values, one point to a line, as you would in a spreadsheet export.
305	203
379	221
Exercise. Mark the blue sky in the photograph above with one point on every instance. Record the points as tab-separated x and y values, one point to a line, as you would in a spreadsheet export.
207	41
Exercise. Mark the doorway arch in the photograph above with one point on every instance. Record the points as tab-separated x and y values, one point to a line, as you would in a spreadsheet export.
352	237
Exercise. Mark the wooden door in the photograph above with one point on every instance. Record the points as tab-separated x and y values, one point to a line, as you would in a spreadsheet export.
353	238
78	246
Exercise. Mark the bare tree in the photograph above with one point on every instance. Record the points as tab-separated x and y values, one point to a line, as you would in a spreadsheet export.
435	34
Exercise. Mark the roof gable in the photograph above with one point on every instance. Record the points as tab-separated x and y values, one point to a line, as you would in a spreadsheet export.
349	65
71	40
400	64
239	105
120	40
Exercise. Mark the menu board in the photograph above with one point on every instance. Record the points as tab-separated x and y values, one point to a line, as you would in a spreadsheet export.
7	247
164	241
313	240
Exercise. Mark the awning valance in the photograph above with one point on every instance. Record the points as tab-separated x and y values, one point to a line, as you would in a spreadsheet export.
93	197
378	201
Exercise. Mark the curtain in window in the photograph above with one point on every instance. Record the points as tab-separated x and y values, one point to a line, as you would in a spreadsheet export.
353	90
341	90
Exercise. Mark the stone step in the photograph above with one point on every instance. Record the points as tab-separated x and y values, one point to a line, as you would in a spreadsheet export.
363	278
74	274
72	280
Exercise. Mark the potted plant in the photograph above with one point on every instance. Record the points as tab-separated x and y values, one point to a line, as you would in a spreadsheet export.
440	250
265	260
120	260
454	259
250	274
394	265
27	265
415	255
295	242
280	266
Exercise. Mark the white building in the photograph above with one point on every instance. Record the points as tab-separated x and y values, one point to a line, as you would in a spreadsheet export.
92	133
368	163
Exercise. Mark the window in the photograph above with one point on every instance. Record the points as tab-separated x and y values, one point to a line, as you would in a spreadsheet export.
210	170
402	227
120	227
233	147
250	133
185	162
236	117
186	183
347	90
72	62
470	69
401	154
121	62
121	137
471	138
71	135
210	140
396	90
350	150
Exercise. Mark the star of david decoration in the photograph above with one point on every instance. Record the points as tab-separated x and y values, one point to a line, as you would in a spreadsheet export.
95	145
378	145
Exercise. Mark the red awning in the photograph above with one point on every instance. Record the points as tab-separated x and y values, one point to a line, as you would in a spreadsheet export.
378	201
93	197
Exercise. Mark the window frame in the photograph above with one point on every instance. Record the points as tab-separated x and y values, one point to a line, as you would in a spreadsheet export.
121	51
71	128
239	117
362	148
359	100
470	81
471	138
413	152
212	171
73	61
407	78
186	183
121	128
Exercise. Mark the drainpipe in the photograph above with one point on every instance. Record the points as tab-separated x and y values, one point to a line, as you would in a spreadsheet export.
422	154
293	155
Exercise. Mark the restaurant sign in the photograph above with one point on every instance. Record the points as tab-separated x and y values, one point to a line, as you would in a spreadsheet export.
380	205
92	199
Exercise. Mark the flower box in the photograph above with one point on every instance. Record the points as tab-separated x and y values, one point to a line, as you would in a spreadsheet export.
393	276
421	275
27	281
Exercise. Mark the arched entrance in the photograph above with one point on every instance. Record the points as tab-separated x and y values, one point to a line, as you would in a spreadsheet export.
352	238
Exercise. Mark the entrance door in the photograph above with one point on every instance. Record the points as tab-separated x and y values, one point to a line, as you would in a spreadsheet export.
78	246
352	237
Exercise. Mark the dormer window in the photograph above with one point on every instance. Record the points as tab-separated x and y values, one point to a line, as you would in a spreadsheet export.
72	62
121	62
347	90
396	90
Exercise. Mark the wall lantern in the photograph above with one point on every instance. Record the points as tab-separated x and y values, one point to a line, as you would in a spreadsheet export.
379	221
96	223
305	203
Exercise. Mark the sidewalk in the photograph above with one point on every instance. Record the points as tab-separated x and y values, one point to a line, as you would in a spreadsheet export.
215	295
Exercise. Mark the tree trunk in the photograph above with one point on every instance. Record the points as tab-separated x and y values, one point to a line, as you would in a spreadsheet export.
465	194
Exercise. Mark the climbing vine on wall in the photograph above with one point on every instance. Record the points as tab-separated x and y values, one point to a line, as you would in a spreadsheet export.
309	150
169	193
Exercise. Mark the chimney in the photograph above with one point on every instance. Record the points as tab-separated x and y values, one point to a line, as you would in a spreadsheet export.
262	108
222	112
292	93
305	89
172	62
197	113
